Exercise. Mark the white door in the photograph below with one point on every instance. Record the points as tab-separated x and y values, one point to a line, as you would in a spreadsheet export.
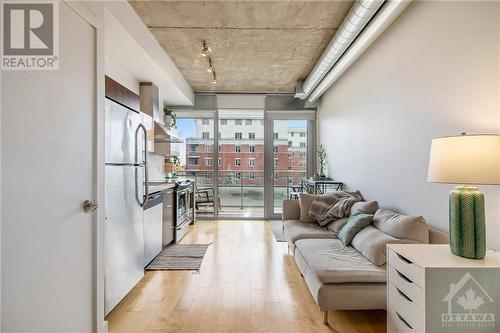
47	173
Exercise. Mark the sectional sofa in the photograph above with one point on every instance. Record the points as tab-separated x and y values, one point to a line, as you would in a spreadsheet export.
350	277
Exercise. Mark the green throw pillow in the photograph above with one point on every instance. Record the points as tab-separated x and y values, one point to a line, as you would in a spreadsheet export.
357	221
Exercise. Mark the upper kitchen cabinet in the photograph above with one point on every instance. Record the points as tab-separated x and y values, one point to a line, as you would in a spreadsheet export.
150	101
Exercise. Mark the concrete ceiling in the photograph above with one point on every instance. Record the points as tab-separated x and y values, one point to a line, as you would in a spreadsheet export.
257	46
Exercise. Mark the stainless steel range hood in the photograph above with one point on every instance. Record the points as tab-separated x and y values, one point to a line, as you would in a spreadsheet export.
149	95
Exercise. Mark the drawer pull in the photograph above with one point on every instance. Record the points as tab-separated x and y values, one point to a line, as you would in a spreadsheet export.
404	277
403	295
404	259
404	321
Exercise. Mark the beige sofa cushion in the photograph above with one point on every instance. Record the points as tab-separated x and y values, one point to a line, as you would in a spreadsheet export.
333	262
305	201
372	242
295	230
368	207
401	226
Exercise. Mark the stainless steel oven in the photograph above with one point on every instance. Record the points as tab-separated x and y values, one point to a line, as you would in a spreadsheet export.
182	209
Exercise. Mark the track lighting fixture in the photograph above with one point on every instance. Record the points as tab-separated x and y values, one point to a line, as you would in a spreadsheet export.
206	52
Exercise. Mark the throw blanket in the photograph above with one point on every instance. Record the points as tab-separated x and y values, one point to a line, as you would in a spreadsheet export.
329	207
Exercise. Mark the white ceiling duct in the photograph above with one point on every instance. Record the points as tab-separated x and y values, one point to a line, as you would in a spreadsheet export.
384	18
359	15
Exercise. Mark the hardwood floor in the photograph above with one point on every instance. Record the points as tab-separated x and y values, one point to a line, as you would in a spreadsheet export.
247	283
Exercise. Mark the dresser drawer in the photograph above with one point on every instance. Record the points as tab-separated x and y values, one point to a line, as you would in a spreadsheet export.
397	324
408	310
410	289
407	268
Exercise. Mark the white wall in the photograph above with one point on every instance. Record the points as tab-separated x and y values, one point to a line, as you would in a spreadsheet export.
434	72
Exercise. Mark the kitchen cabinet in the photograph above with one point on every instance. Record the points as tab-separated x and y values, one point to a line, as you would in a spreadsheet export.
168	217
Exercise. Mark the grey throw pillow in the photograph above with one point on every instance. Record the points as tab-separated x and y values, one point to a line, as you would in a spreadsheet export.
357	221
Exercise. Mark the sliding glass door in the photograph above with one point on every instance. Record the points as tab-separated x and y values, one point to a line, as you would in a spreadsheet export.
241	163
255	161
197	160
290	147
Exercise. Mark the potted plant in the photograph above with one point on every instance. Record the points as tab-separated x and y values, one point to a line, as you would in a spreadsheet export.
321	153
170	117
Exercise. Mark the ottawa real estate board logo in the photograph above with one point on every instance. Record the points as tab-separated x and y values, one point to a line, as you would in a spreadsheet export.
469	306
30	35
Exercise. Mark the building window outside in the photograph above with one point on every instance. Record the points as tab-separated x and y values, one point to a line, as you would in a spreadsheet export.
302	163
223	121
238	122
251	136
276	135
194	148
248	121
275	162
208	161
302	145
290	154
220	149
193	161
238	175
238	136
251	175
290	143
209	148
293	163
292	134
208	175
237	149
205	135
251	149
205	121
251	161
302	134
237	161
219	162
275	149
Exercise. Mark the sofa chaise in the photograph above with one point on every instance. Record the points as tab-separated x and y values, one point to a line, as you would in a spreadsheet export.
350	277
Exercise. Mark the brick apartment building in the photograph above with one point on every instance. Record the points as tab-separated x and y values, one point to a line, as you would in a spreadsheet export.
241	151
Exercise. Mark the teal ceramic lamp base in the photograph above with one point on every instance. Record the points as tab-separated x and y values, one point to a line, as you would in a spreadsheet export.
467	222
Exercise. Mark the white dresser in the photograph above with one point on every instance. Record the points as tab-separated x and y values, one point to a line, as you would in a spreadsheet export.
431	290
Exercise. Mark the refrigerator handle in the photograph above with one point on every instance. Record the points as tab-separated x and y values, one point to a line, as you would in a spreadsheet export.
144	162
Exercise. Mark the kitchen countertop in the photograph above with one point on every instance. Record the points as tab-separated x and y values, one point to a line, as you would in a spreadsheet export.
160	186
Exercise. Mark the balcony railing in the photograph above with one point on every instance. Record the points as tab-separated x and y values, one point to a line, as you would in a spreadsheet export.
241	192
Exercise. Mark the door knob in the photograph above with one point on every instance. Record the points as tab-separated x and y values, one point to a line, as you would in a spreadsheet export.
89	206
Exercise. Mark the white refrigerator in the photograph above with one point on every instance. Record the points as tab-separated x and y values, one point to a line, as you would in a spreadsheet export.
126	194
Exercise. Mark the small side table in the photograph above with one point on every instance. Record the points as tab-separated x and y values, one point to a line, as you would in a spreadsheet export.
320	186
429	289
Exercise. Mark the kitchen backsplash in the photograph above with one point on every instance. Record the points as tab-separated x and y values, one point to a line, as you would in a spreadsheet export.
156	167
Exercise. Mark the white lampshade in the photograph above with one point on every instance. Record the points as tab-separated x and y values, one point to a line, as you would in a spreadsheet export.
465	159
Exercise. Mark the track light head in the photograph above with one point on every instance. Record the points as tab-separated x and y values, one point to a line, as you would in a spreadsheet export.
204	49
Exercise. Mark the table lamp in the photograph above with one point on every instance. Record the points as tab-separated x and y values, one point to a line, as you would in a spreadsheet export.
466	160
